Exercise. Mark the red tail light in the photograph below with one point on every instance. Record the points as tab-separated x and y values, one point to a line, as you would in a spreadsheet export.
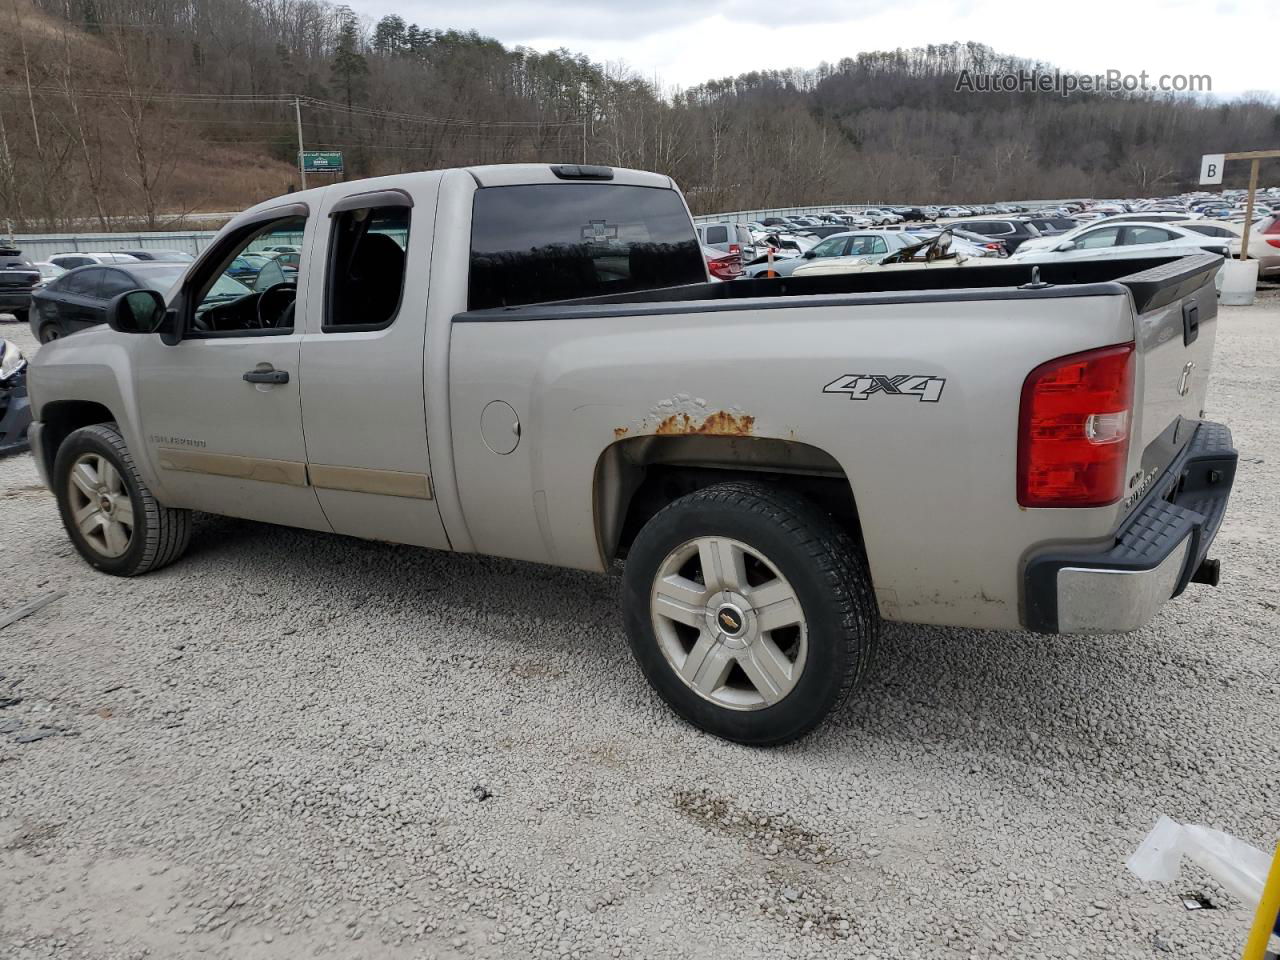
725	268
1275	242
735	248
1073	429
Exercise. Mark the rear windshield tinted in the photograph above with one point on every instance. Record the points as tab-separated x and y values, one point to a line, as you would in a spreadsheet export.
552	241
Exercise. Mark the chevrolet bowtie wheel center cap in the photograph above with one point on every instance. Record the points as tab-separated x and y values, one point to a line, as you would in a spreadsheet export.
731	620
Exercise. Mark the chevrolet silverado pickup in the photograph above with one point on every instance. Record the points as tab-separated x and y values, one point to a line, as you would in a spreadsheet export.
529	361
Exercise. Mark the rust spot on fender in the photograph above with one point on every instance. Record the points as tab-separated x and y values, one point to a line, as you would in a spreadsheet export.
721	423
620	432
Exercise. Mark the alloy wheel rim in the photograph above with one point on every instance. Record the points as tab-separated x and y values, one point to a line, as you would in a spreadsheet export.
729	624
100	505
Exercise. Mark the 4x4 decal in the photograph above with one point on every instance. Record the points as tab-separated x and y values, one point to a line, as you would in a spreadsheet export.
859	386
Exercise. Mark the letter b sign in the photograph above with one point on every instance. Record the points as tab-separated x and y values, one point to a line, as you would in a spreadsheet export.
1211	168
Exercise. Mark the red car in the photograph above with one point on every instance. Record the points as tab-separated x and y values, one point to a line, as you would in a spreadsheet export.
723	266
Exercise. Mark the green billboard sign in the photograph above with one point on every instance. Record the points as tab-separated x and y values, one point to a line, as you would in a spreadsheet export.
321	161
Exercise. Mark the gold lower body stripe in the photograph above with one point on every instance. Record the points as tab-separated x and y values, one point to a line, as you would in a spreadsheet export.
387	483
243	468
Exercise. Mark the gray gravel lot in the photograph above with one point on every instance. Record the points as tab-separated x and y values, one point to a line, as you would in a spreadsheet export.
296	745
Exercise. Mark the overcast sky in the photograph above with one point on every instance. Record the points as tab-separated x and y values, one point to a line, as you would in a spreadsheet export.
683	42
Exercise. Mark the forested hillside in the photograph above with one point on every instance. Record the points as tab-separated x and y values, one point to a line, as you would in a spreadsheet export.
151	108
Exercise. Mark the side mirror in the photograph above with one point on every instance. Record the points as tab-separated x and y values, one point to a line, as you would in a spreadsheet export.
138	311
1065	246
809	254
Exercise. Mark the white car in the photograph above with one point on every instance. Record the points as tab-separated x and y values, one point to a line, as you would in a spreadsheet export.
48	271
880	217
1124	240
852	245
953	212
78	258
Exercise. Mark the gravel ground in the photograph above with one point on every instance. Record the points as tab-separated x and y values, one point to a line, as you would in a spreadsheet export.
296	745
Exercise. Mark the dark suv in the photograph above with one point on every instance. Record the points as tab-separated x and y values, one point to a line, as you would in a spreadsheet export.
18	277
1013	232
913	214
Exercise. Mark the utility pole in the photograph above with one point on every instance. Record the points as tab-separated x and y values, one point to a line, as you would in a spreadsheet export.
302	167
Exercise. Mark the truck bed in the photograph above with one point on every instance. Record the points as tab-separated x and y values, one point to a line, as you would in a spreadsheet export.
1153	282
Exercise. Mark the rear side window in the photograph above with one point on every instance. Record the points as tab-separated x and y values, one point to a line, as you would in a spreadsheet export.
366	268
1138	235
83	283
114	282
717	235
550	241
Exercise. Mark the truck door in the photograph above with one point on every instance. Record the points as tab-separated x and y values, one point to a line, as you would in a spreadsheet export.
363	403
219	410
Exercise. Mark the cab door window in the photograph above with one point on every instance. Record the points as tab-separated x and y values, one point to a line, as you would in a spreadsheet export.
223	306
367	260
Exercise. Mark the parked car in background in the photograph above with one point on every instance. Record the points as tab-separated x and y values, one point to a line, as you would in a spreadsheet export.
15	405
880	217
247	266
279	248
730	237
79	298
938	251
19	277
721	264
1012	232
976	245
171	256
1264	240
48	271
1154	216
69	261
850	244
1052	226
1124	240
914	214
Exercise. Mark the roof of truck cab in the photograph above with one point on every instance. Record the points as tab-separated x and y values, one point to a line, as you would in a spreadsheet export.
491	175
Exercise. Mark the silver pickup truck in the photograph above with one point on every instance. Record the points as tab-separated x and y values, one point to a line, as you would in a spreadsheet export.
529	362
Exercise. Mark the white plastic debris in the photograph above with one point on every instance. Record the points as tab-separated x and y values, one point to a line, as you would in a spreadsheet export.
1239	867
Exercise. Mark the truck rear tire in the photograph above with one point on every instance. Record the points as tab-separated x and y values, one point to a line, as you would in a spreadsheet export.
108	510
750	611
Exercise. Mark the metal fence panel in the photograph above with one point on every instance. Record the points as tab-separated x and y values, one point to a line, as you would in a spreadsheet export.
41	246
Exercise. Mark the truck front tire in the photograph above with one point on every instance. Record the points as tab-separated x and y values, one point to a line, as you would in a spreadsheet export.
108	510
750	611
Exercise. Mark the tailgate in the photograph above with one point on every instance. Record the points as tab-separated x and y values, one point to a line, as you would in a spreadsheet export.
1177	308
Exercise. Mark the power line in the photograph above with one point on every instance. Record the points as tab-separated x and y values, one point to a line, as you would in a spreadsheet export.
313	102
